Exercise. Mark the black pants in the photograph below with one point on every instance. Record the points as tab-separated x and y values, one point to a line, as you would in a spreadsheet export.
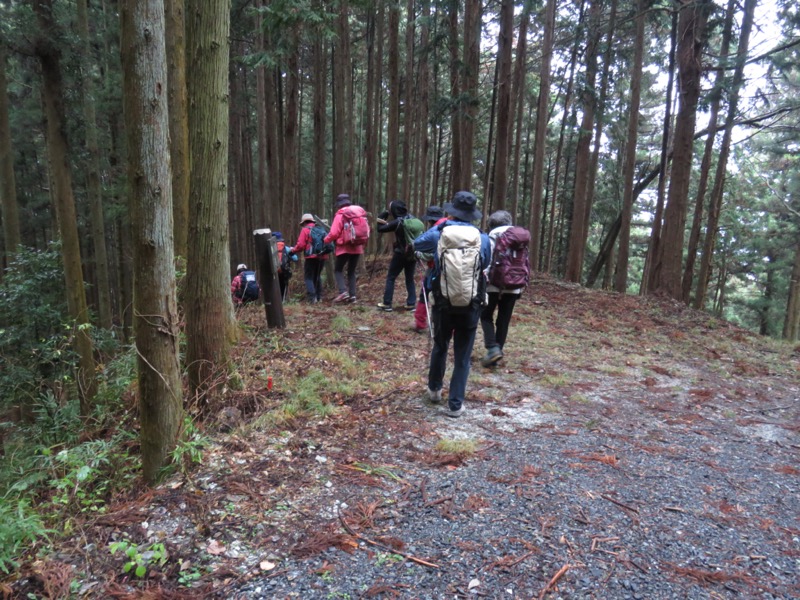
496	331
312	275
351	260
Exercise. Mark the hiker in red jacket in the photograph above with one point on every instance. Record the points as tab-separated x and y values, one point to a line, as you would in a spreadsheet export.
349	231
314	260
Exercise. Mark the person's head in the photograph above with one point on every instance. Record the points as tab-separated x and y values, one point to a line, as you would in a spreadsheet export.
240	268
343	200
397	208
463	207
499	218
433	214
306	218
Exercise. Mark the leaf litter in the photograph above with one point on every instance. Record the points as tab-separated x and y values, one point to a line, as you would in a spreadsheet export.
625	447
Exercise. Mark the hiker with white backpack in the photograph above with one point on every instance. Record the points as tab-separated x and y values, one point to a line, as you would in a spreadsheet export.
461	254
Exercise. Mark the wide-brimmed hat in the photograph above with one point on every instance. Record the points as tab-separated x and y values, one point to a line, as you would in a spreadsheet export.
306	218
463	206
433	214
241	267
343	200
277	235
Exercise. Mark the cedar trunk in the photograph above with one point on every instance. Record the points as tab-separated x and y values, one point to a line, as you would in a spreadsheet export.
504	43
156	316
209	313
8	188
64	200
667	272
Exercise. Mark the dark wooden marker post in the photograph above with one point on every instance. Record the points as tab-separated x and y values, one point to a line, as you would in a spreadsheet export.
267	253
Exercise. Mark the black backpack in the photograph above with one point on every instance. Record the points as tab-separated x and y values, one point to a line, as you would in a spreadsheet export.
250	291
318	246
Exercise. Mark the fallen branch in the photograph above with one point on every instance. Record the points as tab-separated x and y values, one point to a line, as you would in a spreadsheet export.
618	503
551	584
405	555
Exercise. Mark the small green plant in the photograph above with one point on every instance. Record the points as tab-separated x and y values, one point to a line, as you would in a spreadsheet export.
188	576
326	576
388	558
461	447
555	380
377	471
139	562
190	447
341	323
20	527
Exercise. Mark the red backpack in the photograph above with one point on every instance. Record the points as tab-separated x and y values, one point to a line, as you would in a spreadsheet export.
510	269
355	225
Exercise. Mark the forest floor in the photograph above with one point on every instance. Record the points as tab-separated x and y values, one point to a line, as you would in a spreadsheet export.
625	447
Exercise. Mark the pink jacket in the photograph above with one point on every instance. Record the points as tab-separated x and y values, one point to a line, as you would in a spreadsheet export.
337	229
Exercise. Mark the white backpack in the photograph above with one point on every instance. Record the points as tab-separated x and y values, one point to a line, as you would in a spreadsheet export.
461	283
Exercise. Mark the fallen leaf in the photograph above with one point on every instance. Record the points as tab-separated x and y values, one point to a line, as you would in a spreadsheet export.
473	584
266	565
215	548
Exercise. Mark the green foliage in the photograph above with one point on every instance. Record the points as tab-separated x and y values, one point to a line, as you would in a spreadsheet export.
190	447
139	562
20	527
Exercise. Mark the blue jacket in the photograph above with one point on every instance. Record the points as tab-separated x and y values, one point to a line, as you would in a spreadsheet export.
429	240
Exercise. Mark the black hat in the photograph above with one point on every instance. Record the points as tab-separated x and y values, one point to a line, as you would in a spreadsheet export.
433	214
463	206
343	200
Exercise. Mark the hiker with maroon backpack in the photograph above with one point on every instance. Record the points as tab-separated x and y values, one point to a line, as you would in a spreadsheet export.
461	253
402	260
350	232
315	251
507	277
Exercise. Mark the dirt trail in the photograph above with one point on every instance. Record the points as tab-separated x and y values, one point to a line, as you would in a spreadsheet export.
623	449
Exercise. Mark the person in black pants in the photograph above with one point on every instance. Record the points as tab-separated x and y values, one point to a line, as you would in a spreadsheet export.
495	331
402	262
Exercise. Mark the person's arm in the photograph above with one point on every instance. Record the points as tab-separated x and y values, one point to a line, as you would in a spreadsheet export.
390	226
486	251
427	241
336	229
235	282
302	241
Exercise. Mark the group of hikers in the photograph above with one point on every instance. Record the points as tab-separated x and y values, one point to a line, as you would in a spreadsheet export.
471	277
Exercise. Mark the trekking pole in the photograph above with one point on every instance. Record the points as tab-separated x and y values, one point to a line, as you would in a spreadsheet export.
425	300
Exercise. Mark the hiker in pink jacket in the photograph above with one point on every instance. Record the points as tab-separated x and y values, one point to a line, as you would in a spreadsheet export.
350	232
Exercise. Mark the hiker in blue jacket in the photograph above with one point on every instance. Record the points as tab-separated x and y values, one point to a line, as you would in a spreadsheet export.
458	324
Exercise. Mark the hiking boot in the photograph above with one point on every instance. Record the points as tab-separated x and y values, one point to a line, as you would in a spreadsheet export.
352	299
453	414
493	354
416	329
411	307
433	397
343	297
384	307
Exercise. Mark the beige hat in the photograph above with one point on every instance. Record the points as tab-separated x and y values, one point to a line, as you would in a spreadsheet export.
306	218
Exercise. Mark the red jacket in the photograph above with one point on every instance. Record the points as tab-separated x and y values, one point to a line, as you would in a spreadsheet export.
304	243
334	235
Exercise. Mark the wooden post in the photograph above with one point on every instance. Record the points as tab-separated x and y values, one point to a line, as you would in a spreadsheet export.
267	253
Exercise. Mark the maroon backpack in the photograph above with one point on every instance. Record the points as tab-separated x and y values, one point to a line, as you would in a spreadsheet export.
510	269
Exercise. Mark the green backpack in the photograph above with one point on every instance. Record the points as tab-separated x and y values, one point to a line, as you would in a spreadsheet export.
412	228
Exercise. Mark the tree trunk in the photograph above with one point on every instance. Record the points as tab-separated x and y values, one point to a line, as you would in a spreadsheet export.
393	124
145	87
472	66
715	96
261	121
504	43
342	104
629	163
691	35
58	154
456	161
8	188
715	202
319	117
791	323
291	132
517	103
423	87
178	120
577	243
654	244
371	150
540	144
409	107
102	278
209	313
